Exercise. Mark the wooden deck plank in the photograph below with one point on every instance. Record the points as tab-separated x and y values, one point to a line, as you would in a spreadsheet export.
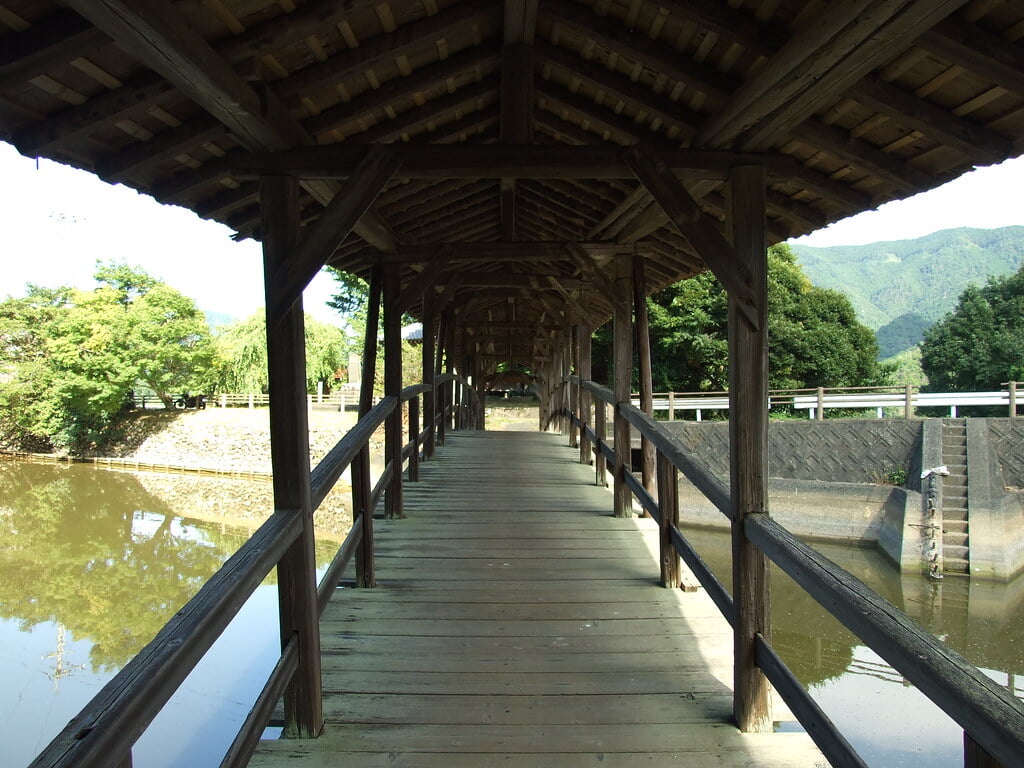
517	623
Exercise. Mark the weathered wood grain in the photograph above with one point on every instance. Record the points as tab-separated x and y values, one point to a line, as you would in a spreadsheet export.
516	621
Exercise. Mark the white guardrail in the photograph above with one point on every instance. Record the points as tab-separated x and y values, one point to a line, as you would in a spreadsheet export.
816	402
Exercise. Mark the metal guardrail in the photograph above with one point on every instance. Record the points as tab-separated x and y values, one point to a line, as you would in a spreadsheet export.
816	401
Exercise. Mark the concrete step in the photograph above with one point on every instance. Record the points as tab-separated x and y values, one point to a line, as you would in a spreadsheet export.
956	468
954	501
955	564
954	552
953	539
957	478
954	526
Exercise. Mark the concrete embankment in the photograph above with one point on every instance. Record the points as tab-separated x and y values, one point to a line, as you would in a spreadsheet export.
860	481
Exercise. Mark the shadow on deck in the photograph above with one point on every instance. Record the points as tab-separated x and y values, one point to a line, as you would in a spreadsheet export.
516	622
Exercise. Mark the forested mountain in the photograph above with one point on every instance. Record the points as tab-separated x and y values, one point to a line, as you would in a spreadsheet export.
901	287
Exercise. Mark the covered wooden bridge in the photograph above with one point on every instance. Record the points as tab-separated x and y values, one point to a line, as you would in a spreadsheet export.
515	174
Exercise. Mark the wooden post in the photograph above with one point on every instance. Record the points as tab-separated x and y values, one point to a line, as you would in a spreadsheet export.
821	403
429	397
668	502
449	355
414	432
671	406
289	449
748	443
572	392
975	755
393	388
643	341
441	403
908	406
362	486
622	353
601	430
1013	399
583	340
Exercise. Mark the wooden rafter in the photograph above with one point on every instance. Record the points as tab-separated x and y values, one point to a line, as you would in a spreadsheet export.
157	35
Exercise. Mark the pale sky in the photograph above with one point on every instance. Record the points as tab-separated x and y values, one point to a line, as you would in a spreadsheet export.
55	222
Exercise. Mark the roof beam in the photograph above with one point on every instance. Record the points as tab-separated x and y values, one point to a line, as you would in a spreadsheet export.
497	161
978	50
60	37
157	35
516	126
877	38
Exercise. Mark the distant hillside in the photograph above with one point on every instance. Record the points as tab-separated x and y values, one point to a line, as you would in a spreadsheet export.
917	281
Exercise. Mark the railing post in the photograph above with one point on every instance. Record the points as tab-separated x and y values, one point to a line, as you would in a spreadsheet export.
821	403
748	444
414	438
643	341
908	406
671	406
601	430
430	396
1013	399
668	503
362	486
393	388
622	352
289	448
975	755
583	334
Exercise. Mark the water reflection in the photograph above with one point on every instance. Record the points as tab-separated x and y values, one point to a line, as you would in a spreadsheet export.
889	722
93	564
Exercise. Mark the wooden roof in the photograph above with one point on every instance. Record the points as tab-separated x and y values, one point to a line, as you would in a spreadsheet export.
861	101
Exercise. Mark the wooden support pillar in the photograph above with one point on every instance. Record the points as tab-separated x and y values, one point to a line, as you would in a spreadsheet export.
393	388
414	438
449	355
430	396
622	353
441	404
748	442
583	404
572	390
668	502
362	486
601	431
643	341
289	449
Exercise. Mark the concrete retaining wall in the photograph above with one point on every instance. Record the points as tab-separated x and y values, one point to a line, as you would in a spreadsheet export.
827	483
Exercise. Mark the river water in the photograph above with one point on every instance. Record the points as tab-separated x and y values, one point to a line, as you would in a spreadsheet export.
93	563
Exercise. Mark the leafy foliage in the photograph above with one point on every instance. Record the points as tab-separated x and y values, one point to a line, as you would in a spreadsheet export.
980	344
901	333
814	336
242	354
924	276
69	359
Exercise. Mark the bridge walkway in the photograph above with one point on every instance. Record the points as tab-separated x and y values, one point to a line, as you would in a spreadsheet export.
517	623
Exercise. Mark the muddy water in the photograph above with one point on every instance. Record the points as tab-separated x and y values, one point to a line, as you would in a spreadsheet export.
93	563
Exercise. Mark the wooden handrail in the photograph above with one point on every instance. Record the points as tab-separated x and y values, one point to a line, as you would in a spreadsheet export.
329	581
990	714
839	752
106	729
248	738
326	473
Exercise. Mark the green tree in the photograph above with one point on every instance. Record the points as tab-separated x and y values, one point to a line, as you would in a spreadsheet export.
814	337
71	358
242	354
980	344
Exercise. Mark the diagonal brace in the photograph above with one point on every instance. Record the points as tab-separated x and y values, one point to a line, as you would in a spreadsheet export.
322	237
699	229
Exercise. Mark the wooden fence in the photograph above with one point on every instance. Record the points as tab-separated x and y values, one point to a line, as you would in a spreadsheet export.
103	733
816	401
338	400
991	717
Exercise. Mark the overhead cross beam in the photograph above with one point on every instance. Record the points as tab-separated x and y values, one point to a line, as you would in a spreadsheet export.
157	35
